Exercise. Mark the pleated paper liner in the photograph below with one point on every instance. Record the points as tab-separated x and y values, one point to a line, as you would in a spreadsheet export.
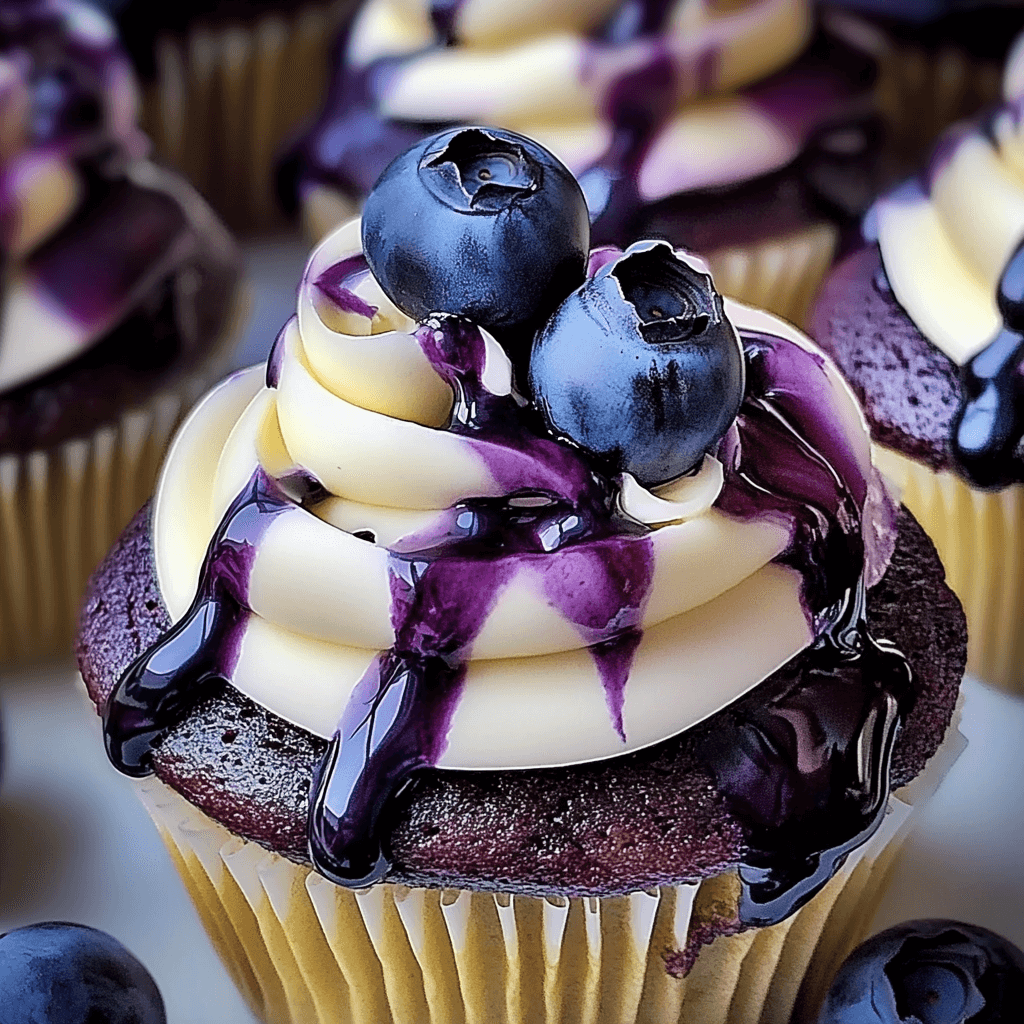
980	539
305	951
227	96
780	274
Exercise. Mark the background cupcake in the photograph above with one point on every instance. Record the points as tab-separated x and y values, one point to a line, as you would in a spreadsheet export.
408	734
118	285
224	83
939	62
734	129
923	320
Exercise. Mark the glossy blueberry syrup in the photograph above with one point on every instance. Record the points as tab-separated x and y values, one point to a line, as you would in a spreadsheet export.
988	428
161	687
804	766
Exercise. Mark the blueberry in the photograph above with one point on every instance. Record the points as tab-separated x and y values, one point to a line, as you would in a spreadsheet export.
58	973
640	366
481	223
928	972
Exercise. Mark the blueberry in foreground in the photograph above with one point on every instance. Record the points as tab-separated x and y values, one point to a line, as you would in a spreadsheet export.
929	972
481	223
59	973
640	366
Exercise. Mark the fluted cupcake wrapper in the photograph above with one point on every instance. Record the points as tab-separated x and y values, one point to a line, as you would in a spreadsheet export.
226	97
780	274
980	539
921	92
305	951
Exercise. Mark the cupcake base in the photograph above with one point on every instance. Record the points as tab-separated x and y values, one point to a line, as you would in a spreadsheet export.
305	951
60	509
980	539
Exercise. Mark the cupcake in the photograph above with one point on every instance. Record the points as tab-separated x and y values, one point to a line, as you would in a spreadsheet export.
738	130
118	284
924	321
939	61
225	82
458	704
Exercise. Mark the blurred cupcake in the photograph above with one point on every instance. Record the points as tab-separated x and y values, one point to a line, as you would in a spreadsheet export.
469	707
225	82
736	129
118	284
925	322
939	61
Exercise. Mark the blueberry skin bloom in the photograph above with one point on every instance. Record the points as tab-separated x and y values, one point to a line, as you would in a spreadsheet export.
58	973
640	366
480	223
929	972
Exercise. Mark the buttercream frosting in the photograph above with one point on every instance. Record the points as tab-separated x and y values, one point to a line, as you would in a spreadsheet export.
68	102
947	236
650	99
345	420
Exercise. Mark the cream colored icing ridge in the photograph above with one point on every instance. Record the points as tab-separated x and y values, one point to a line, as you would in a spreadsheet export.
945	244
362	417
533	69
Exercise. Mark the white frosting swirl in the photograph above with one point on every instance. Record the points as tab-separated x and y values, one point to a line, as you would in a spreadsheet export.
945	240
538	70
357	404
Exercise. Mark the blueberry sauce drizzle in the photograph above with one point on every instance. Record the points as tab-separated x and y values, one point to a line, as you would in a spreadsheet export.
988	428
804	767
161	687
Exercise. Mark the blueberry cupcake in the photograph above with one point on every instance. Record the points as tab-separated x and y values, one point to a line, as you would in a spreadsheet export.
531	636
939	61
925	322
117	289
225	82
738	130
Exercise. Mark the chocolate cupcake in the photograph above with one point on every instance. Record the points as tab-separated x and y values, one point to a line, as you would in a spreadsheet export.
737	130
225	82
924	322
118	288
463	704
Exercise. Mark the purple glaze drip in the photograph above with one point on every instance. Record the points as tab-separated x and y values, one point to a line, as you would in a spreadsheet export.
443	15
444	585
338	283
161	687
804	764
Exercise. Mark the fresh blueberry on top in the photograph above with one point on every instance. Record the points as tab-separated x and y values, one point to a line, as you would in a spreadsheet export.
929	972
639	366
58	973
481	223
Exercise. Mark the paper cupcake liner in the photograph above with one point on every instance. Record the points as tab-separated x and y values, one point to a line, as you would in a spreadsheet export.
921	92
980	539
227	96
781	275
305	951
